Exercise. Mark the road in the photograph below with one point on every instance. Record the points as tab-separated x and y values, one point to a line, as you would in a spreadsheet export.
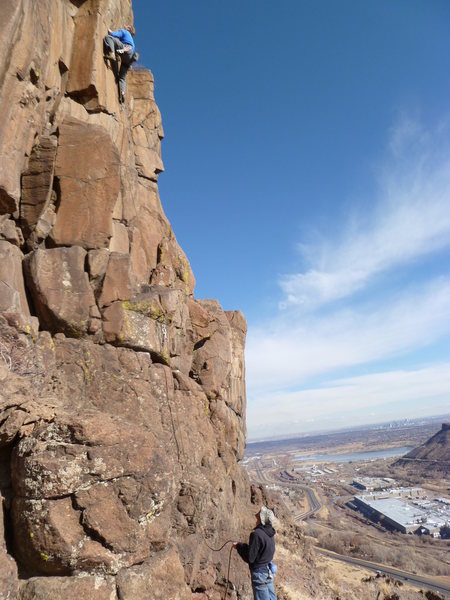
411	578
314	502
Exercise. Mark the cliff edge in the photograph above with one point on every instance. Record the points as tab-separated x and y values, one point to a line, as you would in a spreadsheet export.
122	403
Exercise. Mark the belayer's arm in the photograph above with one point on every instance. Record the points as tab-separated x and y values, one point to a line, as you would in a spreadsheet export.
242	550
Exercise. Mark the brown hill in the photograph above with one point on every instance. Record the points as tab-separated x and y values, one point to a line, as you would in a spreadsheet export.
433	455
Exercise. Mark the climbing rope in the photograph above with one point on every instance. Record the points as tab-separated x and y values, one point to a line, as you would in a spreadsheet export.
229	561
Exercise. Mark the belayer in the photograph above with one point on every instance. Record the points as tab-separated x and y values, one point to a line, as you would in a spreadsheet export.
121	42
258	553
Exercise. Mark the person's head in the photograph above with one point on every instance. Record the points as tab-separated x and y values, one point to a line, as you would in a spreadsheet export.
131	29
265	516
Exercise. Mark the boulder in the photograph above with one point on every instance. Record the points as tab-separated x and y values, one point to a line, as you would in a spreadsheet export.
12	288
89	184
139	263
235	394
90	83
89	491
212	356
97	264
173	268
117	284
156	321
60	289
9	232
146	125
13	299
37	183
161	578
119	241
90	587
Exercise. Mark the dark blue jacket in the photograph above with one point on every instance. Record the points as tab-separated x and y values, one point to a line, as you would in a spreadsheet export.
260	548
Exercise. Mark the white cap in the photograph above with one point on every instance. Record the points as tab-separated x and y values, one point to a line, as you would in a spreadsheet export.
266	515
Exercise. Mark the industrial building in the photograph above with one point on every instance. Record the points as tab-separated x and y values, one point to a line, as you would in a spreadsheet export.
408	517
394	513
371	484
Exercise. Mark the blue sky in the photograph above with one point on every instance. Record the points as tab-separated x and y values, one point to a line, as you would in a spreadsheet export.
307	159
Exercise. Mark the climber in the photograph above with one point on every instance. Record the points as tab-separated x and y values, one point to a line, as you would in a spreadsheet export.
121	42
258	553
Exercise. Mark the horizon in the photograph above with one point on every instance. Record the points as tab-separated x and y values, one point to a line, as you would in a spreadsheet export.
307	158
439	419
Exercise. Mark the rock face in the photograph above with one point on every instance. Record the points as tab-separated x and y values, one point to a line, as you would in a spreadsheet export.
122	403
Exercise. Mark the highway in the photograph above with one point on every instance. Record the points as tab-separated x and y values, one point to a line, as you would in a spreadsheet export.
411	578
313	501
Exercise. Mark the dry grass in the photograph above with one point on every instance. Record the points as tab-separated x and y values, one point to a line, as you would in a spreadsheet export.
303	576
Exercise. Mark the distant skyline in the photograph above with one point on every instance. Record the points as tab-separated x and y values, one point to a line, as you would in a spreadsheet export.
307	158
437	419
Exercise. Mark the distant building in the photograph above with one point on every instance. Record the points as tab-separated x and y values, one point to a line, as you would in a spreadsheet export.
372	484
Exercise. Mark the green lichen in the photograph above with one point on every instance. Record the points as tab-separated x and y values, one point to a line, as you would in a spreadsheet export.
148	309
86	366
76	331
87	374
207	409
185	275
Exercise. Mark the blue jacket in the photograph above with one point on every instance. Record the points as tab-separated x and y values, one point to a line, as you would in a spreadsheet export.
125	37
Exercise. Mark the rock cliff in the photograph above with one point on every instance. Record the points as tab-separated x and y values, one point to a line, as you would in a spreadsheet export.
122	395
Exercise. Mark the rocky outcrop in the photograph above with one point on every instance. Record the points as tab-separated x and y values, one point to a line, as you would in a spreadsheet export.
432	457
122	402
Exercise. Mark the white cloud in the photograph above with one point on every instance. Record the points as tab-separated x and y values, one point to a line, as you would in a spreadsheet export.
291	350
353	401
408	132
409	219
313	338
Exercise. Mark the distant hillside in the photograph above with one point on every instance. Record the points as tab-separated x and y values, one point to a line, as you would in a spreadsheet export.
434	454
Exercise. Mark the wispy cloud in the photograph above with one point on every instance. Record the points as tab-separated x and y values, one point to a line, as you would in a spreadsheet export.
355	400
409	218
290	351
324	330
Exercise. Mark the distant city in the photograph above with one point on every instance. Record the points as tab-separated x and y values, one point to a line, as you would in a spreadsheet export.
396	424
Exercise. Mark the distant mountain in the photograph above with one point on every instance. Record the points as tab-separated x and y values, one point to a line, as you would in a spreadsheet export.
434	454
